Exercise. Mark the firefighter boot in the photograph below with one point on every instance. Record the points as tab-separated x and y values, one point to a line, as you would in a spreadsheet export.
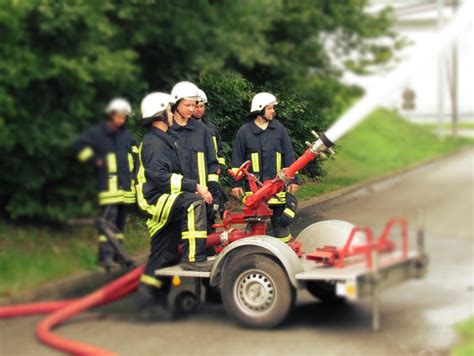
106	256
151	303
202	266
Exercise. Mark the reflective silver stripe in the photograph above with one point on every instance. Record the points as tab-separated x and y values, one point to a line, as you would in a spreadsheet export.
175	182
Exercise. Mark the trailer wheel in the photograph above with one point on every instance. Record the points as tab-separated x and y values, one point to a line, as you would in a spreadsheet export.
185	303
256	291
325	292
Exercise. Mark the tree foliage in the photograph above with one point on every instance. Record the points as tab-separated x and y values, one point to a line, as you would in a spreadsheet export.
61	61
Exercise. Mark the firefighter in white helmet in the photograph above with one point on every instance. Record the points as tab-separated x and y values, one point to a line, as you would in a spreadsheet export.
200	114
265	142
195	143
111	149
175	212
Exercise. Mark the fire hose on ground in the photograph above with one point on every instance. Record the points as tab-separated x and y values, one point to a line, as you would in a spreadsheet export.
66	309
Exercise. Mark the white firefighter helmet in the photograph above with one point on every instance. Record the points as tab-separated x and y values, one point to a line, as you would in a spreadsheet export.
185	90
119	105
155	104
202	96
261	100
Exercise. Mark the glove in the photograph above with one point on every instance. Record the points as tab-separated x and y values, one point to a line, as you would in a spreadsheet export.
289	211
218	195
214	189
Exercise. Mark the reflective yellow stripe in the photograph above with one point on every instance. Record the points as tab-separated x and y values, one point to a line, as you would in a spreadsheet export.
201	169
85	154
135	149
107	201
234	170
129	196
164	216
158	211
111	197
278	162
255	162
194	234
151	281
278	201
103	238
213	178
130	162
285	239
175	182
289	213
113	183
119	236
111	194
191	229
221	160
111	162
142	203
214	139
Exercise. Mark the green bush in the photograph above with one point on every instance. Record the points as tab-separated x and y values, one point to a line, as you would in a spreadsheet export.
61	61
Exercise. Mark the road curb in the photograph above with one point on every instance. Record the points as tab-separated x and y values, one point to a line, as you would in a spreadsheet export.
386	178
85	282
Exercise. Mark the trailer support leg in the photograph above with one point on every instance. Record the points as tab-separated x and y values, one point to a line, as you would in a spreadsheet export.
375	292
197	290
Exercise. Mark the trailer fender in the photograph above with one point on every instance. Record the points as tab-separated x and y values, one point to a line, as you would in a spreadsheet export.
258	244
327	233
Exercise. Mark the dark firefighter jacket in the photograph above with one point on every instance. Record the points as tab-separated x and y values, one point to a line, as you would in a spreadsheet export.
196	150
160	177
268	150
117	151
216	139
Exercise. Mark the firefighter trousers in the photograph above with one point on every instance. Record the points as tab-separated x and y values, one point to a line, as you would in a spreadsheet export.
117	215
279	231
186	223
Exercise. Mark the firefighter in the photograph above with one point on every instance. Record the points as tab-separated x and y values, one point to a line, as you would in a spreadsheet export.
195	142
200	114
175	212
111	148
264	141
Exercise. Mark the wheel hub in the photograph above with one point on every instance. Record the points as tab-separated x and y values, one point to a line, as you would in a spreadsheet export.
255	292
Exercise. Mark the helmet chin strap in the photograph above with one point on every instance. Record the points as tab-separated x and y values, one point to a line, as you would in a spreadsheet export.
263	116
180	114
266	118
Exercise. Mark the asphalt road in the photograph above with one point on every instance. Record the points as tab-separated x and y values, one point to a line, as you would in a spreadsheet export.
417	317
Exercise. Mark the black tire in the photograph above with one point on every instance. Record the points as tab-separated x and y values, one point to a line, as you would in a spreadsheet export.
185	303
256	291
325	292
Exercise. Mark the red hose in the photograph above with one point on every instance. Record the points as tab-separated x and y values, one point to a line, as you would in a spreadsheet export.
127	283
32	308
62	310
